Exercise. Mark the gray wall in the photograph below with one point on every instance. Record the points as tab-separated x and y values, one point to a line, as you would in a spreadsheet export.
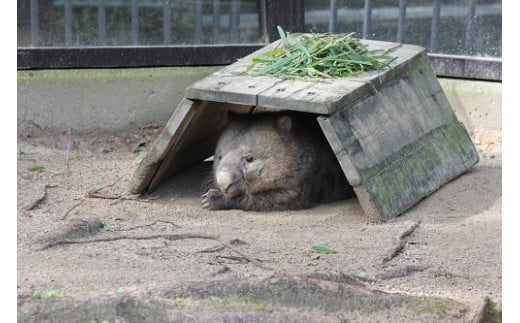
116	99
101	99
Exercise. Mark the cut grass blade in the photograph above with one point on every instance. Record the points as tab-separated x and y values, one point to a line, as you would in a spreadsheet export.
318	56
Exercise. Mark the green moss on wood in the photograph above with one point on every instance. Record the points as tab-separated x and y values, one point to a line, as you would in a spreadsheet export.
419	168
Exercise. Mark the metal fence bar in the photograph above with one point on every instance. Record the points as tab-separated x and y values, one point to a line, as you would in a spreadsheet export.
436	15
68	22
134	11
333	21
167	23
367	19
102	22
35	23
401	21
468	45
198	22
234	22
215	29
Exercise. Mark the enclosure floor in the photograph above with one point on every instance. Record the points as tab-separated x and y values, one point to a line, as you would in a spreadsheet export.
449	245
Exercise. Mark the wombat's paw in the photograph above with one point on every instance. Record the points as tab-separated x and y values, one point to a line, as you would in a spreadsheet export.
214	200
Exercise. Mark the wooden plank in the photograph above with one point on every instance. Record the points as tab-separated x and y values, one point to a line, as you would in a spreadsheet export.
367	204
229	85
415	171
321	97
172	131
393	132
403	142
406	55
237	89
195	142
337	147
189	136
379	45
379	125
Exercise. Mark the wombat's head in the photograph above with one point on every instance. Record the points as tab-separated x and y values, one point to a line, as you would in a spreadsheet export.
252	154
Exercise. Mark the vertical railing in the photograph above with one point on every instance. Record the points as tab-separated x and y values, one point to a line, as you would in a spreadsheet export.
401	21
436	17
333	16
367	19
35	23
167	22
134	13
68	22
198	22
102	22
234	22
215	28
468	44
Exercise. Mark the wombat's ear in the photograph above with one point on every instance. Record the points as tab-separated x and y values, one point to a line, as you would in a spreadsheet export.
284	123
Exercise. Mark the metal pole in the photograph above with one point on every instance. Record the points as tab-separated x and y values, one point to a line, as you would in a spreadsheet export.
333	16
402	21
35	23
468	45
68	22
167	22
367	19
135	21
234	22
102	22
215	30
435	25
198	22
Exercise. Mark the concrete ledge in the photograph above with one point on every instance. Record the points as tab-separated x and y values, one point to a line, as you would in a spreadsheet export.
117	99
478	105
102	99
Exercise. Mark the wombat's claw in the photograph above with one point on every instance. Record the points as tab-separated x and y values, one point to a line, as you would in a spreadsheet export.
211	199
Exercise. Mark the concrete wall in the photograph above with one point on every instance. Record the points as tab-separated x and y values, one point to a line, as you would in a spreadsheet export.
478	104
115	99
104	99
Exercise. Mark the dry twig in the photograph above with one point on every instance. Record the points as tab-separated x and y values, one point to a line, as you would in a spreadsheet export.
170	237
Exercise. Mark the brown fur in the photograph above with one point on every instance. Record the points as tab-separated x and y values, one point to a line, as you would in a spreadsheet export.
274	161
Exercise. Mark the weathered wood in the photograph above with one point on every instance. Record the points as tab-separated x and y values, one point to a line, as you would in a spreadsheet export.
243	89
189	136
336	143
170	135
393	132
230	85
321	96
403	142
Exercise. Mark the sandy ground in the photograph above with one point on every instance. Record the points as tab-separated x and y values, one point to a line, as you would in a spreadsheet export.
448	247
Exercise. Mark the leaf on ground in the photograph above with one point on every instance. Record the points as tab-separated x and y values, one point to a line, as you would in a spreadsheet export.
36	168
322	249
49	294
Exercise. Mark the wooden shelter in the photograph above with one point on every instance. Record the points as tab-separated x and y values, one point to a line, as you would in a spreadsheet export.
394	132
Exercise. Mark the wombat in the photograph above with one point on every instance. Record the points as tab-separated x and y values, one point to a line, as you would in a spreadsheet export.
274	161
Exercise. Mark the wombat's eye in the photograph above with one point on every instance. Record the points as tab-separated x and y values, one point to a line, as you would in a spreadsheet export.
250	158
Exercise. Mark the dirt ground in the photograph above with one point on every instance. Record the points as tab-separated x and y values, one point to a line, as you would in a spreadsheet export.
162	257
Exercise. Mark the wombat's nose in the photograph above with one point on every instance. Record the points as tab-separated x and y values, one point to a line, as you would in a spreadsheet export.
224	179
